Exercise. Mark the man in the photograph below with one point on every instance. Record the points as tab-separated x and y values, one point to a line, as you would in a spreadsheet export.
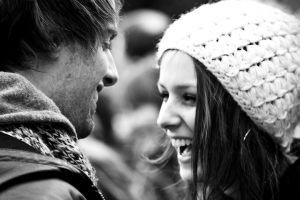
54	60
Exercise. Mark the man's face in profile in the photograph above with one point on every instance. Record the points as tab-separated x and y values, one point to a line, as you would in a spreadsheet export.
77	78
77	74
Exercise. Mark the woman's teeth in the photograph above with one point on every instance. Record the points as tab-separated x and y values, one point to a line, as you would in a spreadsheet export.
183	146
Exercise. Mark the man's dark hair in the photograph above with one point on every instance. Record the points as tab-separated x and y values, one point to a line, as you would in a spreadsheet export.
36	28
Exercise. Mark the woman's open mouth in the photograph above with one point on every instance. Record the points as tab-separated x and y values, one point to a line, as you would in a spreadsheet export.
183	147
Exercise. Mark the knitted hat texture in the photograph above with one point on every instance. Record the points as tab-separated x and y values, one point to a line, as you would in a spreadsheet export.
254	51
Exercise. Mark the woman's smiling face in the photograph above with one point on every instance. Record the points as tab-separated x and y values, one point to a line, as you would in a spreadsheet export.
177	85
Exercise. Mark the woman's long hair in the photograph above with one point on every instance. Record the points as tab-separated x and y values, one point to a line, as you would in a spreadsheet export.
229	152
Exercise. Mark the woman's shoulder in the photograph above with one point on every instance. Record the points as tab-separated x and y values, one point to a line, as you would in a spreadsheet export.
290	182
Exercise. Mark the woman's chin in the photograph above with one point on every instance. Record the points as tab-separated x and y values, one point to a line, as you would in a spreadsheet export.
186	174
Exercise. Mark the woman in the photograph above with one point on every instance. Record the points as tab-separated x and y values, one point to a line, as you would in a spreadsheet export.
230	80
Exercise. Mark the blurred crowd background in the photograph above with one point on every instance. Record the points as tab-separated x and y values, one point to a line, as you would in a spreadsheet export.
126	137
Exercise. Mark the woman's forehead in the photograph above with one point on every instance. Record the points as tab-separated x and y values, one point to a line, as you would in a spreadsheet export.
176	57
177	68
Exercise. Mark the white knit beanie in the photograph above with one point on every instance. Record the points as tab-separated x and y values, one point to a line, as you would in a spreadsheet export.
254	51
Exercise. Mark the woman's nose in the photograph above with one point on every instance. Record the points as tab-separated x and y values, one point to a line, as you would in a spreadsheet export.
168	116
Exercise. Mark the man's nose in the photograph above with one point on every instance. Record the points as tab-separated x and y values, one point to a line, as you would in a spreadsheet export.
168	117
112	76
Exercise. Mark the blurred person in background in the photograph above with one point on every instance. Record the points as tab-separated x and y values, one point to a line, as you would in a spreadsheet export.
230	83
135	123
134	50
54	60
175	8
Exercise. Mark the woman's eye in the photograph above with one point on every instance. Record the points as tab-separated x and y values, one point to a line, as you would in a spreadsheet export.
164	95
189	98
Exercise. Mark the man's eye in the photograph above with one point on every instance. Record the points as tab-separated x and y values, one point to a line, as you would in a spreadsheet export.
106	46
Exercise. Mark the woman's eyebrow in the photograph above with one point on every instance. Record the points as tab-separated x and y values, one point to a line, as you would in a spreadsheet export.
158	84
185	86
179	86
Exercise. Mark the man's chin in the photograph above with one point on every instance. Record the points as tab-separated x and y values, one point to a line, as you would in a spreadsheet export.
86	129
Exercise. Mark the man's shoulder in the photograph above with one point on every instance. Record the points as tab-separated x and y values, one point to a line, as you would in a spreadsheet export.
21	170
47	189
17	166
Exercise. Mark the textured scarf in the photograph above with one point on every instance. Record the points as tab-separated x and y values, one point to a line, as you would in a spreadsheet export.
31	117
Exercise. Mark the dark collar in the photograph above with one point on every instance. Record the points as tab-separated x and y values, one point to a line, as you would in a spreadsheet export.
9	142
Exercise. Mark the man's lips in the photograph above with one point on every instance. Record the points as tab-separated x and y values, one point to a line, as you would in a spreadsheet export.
99	88
94	105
